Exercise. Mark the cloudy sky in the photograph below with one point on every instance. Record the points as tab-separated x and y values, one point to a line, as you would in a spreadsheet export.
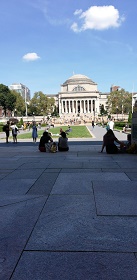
44	42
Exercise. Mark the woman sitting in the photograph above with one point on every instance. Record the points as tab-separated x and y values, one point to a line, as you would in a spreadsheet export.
45	142
108	142
63	142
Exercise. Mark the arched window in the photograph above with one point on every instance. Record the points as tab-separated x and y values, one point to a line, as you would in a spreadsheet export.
78	88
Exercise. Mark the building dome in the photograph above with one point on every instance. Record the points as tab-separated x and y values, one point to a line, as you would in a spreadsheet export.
78	79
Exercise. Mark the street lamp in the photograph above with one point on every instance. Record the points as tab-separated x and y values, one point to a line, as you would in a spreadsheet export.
33	116
117	112
26	108
122	110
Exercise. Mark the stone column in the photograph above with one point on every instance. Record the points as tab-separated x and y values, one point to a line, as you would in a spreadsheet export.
76	106
88	106
84	105
69	106
73	106
65	106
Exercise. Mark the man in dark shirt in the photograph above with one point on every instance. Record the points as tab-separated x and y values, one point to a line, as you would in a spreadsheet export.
6	129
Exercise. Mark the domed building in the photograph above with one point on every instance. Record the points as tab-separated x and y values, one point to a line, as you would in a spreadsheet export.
79	96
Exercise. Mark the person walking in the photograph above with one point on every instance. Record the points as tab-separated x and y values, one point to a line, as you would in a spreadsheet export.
14	132
93	124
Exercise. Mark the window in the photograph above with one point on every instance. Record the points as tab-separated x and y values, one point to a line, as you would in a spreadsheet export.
78	88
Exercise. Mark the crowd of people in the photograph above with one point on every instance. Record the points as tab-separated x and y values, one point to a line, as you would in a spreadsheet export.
47	144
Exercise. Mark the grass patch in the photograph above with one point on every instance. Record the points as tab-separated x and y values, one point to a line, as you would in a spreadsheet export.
77	132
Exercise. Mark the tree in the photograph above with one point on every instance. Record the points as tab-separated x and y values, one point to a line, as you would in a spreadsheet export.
7	99
120	102
102	110
19	104
40	104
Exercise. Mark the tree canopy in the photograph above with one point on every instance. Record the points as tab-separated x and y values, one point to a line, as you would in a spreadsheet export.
7	99
120	101
41	105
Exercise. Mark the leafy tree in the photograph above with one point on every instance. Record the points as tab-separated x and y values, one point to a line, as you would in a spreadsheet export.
19	104
102	110
7	99
129	117
120	101
55	112
40	104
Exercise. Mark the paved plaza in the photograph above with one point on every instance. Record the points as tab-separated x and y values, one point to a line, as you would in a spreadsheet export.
69	215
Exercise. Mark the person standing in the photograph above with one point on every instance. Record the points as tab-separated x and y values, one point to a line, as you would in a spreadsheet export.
93	124
6	129
34	132
14	132
111	124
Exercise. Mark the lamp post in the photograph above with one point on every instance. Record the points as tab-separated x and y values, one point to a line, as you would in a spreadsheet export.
117	112
26	109
122	110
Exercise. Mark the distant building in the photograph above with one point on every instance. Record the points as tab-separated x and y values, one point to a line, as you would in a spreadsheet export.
22	90
115	88
103	100
79	96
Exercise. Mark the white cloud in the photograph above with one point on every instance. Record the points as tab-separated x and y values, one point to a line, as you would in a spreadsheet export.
98	17
77	12
31	57
74	27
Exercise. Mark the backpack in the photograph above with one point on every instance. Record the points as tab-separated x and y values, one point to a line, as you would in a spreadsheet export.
53	148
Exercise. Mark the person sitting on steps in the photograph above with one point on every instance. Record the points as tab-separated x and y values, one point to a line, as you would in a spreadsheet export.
109	140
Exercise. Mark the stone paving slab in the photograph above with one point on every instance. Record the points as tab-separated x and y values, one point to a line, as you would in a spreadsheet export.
124	170
71	183
76	266
9	165
34	165
17	221
80	170
70	223
116	199
27	174
104	176
8	199
132	176
15	186
44	184
65	164
100	165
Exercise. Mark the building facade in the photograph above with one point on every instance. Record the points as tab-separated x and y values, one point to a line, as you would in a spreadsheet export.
22	90
78	96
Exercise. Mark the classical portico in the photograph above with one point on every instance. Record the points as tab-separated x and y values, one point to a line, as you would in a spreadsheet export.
79	95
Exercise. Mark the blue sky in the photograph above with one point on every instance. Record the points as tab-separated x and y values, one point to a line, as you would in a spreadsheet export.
44	42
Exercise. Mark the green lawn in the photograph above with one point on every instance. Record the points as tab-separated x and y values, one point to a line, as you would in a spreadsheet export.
77	132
